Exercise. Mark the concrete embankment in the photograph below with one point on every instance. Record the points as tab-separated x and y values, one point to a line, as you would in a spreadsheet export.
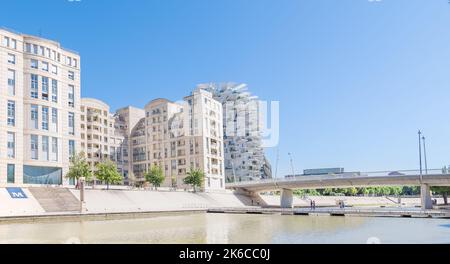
41	203
52	201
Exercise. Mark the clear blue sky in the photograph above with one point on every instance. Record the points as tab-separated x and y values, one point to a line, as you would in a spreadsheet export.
355	79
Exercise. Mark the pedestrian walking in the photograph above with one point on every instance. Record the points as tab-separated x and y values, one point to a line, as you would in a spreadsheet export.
314	205
311	205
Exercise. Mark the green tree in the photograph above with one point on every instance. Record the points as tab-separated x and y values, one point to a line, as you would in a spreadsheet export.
327	191
106	171
79	168
364	191
444	191
155	176
351	191
396	190
195	178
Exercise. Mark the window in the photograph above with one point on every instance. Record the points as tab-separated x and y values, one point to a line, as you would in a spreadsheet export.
75	63
34	64
71	148
45	152
34	147
54	120
45	88
34	116
54	149
11	173
45	66
71	75
54	91
6	41
71	96
42	175
14	44
47	52
71	123
54	69
11	82
45	118
11	113
34	86
42	51
28	47
35	49
11	145
11	58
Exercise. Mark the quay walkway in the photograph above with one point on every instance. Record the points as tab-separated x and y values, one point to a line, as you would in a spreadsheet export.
361	212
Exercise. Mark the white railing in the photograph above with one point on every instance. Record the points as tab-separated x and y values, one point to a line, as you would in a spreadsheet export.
345	175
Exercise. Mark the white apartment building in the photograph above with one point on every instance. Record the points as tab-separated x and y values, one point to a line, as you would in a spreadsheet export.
39	109
99	139
244	153
180	136
126	122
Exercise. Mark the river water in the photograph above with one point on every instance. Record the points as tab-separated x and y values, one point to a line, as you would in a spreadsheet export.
232	228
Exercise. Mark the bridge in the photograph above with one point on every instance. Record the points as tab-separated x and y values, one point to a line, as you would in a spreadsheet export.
428	179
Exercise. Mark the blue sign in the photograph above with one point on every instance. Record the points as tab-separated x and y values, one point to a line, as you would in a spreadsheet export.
16	193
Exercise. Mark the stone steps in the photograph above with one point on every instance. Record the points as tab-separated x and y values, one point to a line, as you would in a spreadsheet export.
54	200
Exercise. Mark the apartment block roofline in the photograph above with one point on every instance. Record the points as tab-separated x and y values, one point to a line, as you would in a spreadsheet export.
88	99
56	43
129	107
157	100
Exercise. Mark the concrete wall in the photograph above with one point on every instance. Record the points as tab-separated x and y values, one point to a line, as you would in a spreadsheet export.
15	207
101	201
98	201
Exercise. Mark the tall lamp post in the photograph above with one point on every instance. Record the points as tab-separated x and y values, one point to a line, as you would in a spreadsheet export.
292	165
420	155
425	154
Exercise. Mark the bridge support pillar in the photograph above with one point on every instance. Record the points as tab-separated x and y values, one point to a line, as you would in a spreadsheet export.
287	198
425	197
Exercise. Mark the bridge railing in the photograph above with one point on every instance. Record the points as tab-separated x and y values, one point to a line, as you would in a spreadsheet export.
346	175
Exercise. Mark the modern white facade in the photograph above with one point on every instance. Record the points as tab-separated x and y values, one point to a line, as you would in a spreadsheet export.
39	109
244	154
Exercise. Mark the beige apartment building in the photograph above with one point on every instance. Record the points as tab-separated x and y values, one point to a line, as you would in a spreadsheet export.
39	109
178	136
99	139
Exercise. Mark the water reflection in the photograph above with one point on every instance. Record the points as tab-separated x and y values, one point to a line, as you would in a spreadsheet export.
232	228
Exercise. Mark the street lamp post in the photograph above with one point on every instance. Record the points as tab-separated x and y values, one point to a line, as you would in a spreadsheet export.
82	181
292	165
425	155
420	155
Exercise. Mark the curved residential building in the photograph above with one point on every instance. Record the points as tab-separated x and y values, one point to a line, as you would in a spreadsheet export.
180	136
39	109
98	136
